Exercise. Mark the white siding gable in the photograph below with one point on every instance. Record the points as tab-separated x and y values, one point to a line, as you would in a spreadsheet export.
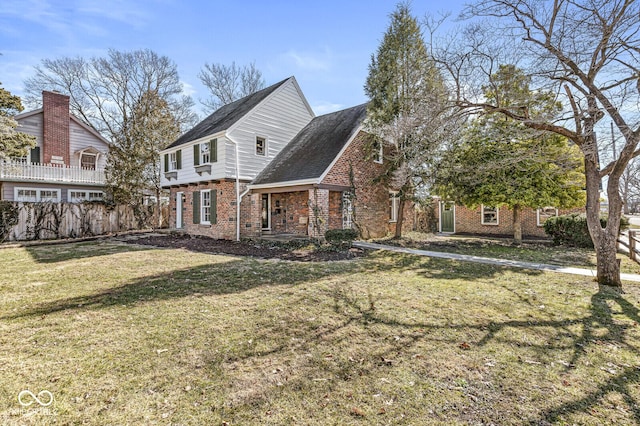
187	173
278	119
81	138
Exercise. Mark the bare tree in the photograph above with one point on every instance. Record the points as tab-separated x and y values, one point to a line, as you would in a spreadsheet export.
587	53
229	83
113	95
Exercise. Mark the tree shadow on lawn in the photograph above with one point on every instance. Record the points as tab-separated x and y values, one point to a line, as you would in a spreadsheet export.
360	311
61	252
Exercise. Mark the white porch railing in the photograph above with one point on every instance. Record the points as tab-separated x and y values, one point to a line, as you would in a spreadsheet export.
12	170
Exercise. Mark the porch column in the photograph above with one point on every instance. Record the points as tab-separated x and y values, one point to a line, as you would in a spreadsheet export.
318	212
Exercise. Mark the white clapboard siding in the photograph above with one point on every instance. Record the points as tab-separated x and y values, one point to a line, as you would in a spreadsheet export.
81	138
188	174
278	119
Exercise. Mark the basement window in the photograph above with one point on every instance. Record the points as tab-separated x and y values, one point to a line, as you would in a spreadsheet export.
489	215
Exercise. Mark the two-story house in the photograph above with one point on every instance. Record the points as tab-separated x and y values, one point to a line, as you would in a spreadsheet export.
67	164
293	172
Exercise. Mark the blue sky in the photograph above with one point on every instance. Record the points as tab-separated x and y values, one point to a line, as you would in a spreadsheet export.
326	44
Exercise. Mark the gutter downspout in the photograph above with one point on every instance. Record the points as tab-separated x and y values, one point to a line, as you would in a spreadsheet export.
238	195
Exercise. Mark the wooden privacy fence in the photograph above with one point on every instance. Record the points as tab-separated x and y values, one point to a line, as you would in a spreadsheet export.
39	221
633	245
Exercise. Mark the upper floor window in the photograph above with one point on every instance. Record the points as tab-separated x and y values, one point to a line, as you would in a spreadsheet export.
172	161
88	161
205	153
489	215
377	152
261	146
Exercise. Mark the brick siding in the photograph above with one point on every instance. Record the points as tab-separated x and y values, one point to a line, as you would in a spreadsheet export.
469	221
55	128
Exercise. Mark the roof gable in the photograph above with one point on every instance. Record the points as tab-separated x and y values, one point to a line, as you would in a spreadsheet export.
314	149
90	129
226	116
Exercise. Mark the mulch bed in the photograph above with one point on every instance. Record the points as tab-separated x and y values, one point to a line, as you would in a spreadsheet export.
245	248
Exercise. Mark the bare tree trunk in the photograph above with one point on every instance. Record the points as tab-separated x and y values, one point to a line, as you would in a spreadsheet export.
517	224
398	233
604	239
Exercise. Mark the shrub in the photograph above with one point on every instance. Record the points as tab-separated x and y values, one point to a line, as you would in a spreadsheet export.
572	229
341	238
8	218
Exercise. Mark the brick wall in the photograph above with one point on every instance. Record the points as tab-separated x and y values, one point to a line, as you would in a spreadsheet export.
469	221
290	212
55	128
225	226
371	202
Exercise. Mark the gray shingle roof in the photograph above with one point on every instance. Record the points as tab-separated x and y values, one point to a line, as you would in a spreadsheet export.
312	150
226	116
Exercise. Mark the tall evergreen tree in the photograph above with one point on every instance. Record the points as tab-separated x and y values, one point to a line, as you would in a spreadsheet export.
408	112
12	142
501	162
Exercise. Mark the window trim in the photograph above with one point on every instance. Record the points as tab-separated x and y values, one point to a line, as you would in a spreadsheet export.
378	154
394	206
538	223
95	160
38	191
87	192
204	209
497	209
265	147
173	161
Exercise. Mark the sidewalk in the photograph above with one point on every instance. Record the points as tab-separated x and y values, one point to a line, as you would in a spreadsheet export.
491	261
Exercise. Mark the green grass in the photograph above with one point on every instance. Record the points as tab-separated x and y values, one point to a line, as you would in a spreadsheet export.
130	335
536	251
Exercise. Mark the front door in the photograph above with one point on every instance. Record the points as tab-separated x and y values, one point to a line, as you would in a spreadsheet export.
179	196
447	217
266	211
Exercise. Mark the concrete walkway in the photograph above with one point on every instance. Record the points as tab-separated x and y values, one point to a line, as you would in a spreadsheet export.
491	261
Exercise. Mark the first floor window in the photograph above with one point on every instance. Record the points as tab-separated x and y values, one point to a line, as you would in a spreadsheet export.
205	206
545	213
489	215
394	203
33	195
78	196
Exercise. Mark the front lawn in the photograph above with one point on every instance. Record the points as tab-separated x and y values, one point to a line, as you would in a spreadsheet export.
125	334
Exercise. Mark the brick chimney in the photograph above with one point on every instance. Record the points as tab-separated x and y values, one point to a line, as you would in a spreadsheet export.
55	128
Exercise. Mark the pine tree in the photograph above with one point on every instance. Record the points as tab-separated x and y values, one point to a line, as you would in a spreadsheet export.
408	112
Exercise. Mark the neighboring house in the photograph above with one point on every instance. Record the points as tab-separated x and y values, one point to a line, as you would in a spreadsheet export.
295	173
494	221
67	164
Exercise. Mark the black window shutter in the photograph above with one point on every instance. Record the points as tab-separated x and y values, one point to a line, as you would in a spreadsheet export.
213	149
166	162
179	159
196	155
196	207
35	154
214	206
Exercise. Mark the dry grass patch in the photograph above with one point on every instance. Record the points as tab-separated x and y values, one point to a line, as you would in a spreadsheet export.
130	335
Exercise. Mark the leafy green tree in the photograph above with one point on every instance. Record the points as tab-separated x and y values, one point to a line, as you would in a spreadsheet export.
501	162
408	113
12	142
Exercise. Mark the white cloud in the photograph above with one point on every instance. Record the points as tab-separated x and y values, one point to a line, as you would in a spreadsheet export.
309	61
188	89
324	107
